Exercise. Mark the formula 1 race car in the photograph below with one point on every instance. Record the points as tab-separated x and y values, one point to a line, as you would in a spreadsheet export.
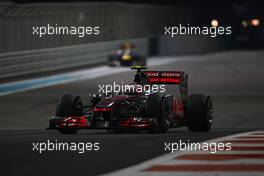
150	111
125	56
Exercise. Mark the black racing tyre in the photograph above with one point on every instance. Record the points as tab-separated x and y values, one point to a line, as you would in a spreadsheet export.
199	113
113	60
154	107
68	130
112	57
69	105
53	123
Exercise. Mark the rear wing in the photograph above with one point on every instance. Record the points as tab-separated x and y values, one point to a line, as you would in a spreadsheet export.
170	77
165	77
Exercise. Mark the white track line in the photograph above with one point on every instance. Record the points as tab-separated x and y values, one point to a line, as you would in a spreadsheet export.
26	85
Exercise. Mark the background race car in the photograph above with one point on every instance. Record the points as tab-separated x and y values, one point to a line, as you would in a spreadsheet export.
126	56
152	111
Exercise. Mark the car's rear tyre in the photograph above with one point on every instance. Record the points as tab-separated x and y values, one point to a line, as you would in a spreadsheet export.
113	61
199	113
69	105
53	123
154	107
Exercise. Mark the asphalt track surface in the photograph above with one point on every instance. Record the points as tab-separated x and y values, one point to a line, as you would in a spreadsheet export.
233	79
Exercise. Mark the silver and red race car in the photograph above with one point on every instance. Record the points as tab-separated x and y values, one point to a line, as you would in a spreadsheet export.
150	111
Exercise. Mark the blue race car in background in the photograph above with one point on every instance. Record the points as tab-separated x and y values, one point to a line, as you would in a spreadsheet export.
126	56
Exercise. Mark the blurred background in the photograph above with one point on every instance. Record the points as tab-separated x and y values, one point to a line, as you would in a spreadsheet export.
142	22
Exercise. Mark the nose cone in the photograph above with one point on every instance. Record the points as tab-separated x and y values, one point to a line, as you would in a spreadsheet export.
109	102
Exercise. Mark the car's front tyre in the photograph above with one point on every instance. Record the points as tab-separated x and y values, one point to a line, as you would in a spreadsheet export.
154	109
69	105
